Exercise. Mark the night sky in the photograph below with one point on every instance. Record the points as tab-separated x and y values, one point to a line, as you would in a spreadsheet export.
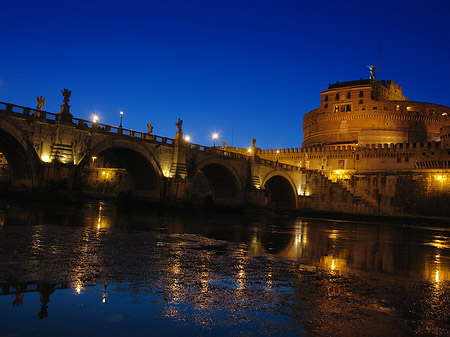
255	67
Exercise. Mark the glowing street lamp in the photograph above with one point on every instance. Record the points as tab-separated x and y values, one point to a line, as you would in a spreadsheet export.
215	135
121	115
95	118
187	138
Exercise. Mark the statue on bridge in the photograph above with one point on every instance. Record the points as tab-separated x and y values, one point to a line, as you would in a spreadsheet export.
150	128
65	114
66	93
224	144
179	125
41	103
253	143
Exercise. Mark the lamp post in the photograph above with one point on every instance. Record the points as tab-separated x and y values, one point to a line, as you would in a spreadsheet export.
187	138
95	118
215	135
121	116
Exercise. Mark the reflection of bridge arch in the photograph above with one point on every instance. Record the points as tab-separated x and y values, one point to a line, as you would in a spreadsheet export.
281	190
23	161
225	185
144	171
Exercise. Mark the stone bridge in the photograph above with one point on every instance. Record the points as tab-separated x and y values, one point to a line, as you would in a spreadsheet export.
45	150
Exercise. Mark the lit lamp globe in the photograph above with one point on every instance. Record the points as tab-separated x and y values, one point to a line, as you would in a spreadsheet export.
215	135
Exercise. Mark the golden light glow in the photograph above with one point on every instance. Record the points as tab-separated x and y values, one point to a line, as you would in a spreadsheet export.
187	138
95	118
121	112
249	150
215	135
103	172
439	177
45	158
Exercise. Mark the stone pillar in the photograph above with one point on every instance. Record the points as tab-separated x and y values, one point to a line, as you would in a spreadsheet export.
178	168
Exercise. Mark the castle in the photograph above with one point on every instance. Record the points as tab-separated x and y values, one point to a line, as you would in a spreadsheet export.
370	139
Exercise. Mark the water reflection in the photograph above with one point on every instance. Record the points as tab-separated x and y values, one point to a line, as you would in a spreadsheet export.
199	267
340	247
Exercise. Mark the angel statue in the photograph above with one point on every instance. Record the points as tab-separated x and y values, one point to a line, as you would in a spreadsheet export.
150	128
179	124
224	144
66	93
41	103
372	70
253	142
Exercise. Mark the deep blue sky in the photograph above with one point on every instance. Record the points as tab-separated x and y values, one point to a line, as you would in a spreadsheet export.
257	65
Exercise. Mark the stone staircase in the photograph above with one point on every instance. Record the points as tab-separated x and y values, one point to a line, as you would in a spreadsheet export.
361	195
353	202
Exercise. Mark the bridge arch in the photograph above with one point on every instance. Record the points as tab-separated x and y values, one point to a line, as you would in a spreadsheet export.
219	180
127	166
23	161
281	190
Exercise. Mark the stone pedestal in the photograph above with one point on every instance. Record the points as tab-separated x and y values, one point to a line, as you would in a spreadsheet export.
178	168
64	114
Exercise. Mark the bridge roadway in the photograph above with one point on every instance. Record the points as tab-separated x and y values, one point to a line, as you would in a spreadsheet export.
49	150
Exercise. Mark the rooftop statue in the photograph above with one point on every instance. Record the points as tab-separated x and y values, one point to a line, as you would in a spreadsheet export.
372	70
41	103
224	144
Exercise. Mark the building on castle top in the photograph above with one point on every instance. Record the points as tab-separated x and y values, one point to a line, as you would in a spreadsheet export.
368	111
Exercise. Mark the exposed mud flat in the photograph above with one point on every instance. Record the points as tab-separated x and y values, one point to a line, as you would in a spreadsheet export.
212	283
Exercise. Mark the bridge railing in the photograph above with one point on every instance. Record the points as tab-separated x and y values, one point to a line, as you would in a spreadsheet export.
279	165
218	151
20	111
24	112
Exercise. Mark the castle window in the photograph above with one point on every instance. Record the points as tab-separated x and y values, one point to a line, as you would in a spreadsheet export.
326	98
399	160
375	107
361	93
407	159
349	107
326	105
360	101
336	108
349	95
397	107
337	96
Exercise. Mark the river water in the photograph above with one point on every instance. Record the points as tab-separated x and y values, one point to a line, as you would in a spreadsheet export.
100	269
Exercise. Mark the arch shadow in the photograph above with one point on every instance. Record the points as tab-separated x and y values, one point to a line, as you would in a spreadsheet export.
217	181
280	190
120	167
23	161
